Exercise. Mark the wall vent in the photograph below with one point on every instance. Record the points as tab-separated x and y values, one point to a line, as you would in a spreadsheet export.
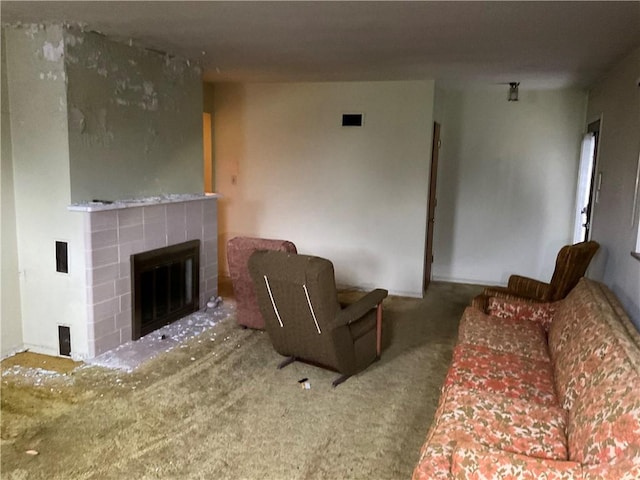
351	119
62	257
64	340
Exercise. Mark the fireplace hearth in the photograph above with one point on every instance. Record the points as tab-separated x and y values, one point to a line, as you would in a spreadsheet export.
165	286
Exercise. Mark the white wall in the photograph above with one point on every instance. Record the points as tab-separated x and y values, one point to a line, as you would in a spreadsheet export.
357	196
506	181
10	315
37	100
616	99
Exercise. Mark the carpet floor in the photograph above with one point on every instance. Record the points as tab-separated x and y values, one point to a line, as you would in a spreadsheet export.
216	407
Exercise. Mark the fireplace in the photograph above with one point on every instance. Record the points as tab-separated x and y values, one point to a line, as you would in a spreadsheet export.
115	232
165	286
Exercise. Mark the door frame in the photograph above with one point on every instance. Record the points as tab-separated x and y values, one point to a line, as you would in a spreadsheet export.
583	222
436	144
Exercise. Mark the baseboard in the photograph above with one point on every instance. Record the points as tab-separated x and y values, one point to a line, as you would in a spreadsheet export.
468	281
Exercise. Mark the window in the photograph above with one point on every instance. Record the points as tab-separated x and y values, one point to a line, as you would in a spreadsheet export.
587	192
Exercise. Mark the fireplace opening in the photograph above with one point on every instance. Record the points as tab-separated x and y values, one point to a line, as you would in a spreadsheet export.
165	285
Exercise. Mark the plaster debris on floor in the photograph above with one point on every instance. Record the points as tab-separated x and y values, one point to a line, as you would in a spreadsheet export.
37	376
131	355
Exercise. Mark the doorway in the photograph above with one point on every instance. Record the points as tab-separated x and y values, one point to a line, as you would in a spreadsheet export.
431	210
207	149
586	191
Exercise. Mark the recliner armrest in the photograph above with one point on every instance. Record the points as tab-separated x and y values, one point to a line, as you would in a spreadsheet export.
358	309
481	302
528	287
504	292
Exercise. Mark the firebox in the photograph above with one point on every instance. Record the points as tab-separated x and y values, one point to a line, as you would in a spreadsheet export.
165	286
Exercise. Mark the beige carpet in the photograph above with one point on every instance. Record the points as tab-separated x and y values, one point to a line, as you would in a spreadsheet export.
217	408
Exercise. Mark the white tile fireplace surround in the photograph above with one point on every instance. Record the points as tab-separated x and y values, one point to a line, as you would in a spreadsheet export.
115	231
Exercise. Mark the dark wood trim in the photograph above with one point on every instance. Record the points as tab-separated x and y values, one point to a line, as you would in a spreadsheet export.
379	330
431	207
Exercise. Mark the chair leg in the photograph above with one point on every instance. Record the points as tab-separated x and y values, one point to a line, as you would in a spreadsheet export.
339	380
379	330
286	362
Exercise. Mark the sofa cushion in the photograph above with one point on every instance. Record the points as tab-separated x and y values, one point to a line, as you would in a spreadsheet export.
625	469
479	368
605	421
568	314
581	359
472	461
492	420
541	313
506	335
576	355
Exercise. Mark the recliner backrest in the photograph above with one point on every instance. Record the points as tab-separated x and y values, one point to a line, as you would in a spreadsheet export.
299	302
239	249
571	265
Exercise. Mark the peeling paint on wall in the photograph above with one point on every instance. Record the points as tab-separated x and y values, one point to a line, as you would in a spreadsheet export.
92	126
53	76
52	52
76	120
31	30
136	126
73	40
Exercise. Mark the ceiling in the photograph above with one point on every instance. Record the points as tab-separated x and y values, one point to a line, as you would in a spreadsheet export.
540	44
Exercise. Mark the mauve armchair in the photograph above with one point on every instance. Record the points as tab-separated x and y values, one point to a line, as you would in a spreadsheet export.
239	249
299	302
571	264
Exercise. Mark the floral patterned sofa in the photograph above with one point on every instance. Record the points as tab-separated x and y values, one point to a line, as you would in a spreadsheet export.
540	391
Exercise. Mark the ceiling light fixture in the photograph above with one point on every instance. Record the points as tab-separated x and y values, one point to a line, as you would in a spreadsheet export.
513	91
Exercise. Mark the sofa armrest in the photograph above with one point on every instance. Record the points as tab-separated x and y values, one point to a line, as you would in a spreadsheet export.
475	461
528	287
504	292
359	308
541	313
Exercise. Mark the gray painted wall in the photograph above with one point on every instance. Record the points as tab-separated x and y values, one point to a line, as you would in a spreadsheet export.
10	315
616	99
135	120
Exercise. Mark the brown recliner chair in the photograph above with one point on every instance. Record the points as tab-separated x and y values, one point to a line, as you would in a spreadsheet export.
571	264
299	302
239	249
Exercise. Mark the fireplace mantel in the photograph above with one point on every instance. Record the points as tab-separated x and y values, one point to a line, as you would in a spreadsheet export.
102	205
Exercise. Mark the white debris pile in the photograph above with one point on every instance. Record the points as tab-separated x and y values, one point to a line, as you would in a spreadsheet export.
131	355
141	201
36	376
